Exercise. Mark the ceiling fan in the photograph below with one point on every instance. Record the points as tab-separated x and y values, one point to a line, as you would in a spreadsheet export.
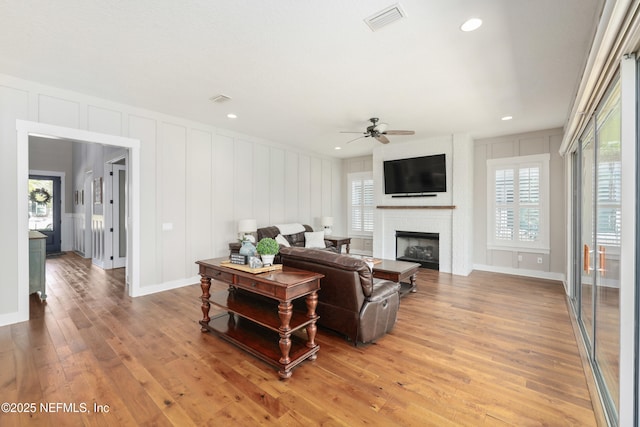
379	131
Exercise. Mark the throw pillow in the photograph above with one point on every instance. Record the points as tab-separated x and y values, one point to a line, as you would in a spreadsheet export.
282	240
314	239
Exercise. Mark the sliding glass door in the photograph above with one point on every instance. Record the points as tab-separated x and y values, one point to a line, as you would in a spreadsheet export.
587	234
607	244
597	202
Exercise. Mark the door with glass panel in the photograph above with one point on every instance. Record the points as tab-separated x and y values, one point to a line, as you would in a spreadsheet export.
607	249
597	214
44	209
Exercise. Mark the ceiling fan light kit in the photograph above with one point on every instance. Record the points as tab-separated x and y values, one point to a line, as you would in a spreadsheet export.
378	131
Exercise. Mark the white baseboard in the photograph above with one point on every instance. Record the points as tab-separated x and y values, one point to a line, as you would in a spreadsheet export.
166	286
12	318
521	272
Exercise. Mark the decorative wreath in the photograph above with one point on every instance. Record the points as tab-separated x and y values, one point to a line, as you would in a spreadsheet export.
40	195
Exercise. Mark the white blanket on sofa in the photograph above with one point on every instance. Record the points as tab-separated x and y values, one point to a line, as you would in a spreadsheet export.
293	228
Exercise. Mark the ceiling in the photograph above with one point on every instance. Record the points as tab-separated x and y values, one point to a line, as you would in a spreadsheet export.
299	72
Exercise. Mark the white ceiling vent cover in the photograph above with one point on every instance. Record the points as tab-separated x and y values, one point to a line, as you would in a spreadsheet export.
385	17
220	98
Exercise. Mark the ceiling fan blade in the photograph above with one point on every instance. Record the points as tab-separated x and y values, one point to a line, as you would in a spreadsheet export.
347	131
360	137
400	132
382	139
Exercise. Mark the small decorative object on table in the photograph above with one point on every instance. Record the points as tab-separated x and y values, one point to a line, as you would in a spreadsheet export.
268	248
245	228
238	259
247	249
254	262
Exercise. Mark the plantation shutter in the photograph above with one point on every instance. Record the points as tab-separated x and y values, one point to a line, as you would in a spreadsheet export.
367	205
609	201
529	202
504	212
515	187
362	205
356	205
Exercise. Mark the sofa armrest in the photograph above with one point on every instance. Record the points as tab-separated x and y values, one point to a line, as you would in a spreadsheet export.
383	289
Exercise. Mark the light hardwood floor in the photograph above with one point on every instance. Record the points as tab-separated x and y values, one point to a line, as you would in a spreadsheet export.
487	349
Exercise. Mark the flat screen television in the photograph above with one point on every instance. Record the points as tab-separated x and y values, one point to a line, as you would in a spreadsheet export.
426	174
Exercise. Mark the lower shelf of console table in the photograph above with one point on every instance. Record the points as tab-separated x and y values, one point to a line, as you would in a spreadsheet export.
256	313
259	334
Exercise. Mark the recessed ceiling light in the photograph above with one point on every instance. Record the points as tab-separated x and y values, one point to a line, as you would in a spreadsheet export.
505	118
471	25
337	148
232	116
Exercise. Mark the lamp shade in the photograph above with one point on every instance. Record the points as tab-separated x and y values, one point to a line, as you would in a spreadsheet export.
327	221
247	226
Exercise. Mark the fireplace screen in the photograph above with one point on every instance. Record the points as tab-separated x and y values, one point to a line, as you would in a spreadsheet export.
419	247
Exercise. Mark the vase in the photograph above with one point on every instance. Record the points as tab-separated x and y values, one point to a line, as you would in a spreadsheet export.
247	249
267	259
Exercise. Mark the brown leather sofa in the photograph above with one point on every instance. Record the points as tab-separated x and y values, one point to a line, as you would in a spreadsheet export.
350	300
296	240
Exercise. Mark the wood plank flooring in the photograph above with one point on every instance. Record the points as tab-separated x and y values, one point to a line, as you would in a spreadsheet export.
483	350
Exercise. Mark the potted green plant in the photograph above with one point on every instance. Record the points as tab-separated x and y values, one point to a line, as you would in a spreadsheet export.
268	248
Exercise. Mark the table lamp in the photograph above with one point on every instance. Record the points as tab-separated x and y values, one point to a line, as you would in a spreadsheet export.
245	228
327	222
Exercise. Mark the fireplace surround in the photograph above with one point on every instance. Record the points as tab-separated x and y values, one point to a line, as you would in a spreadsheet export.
423	248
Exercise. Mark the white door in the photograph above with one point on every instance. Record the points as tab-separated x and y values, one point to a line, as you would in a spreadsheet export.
119	216
86	199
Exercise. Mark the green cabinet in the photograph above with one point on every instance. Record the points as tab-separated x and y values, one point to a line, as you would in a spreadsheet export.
37	259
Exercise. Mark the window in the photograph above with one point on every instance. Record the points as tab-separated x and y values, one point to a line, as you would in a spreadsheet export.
518	211
609	202
361	206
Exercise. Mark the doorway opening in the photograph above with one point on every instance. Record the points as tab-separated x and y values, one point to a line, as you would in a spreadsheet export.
27	128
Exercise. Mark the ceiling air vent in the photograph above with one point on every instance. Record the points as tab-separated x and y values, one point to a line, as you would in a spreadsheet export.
220	98
385	17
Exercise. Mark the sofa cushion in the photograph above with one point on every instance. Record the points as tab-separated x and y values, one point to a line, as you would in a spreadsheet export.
314	239
296	239
267	232
282	240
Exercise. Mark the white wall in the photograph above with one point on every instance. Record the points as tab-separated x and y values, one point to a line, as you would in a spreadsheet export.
198	179
521	262
362	245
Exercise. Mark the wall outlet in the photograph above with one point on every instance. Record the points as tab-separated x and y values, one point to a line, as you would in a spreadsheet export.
539	260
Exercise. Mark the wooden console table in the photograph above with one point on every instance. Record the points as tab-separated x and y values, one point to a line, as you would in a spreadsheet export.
251	319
